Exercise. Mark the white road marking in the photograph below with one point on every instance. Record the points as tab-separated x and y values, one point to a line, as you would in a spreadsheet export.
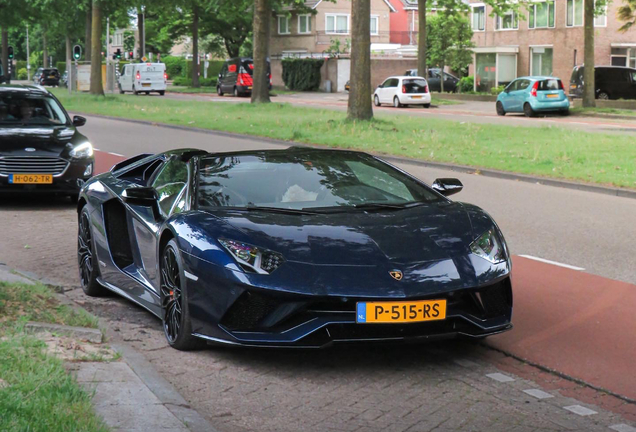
623	428
539	394
571	267
500	377
580	410
191	276
110	153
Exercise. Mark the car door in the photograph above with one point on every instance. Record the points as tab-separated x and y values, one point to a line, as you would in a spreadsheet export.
632	84
434	79
171	183
125	79
520	94
381	88
222	75
389	90
230	78
507	97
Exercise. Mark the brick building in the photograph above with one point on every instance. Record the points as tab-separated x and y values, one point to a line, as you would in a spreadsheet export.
547	40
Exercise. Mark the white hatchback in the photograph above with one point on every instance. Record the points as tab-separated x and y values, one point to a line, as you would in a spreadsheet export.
403	90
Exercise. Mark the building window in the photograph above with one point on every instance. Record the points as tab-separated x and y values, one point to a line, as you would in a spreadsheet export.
574	13
632	59
508	21
375	24
283	24
304	24
619	56
479	17
601	20
542	15
541	61
337	24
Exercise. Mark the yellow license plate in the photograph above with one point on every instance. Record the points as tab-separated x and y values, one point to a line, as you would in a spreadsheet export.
552	96
249	88
145	84
400	312
572	86
416	97
30	179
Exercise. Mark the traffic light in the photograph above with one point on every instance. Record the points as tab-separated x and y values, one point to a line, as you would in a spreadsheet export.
77	52
130	55
117	55
10	53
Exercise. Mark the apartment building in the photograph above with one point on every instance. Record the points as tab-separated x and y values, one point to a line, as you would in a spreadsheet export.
543	38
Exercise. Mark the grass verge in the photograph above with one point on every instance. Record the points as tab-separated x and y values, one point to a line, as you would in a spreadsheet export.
615	111
608	159
36	393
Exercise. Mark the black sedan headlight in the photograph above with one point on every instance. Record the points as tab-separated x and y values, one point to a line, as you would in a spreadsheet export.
259	260
489	247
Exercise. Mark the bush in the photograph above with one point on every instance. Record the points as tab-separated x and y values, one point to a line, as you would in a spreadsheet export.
22	74
213	68
187	82
467	84
61	66
175	66
302	74
496	90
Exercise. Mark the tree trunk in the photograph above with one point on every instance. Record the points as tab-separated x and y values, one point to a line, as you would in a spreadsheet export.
97	87
45	49
360	94
195	47
88	34
141	24
5	53
262	18
589	87
421	39
69	54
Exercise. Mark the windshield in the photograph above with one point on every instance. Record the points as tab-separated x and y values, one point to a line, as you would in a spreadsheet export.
550	84
310	180
28	109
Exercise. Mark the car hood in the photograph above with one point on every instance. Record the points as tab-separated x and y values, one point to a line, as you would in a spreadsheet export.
352	253
44	140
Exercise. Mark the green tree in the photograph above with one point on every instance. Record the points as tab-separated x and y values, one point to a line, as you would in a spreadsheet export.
262	23
627	14
449	42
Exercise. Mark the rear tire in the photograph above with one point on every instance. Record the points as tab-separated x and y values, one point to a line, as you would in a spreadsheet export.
135	92
147	93
219	91
603	95
86	258
376	101
428	105
174	300
397	103
162	92
565	112
236	92
500	109
527	110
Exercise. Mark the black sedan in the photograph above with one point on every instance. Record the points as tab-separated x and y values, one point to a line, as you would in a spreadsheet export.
40	147
292	248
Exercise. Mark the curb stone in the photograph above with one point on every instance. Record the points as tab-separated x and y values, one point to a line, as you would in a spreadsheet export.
546	181
81	333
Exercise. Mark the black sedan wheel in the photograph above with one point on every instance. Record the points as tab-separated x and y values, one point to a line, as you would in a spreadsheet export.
176	318
500	109
88	267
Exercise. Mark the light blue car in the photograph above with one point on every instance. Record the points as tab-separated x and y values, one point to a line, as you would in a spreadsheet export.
532	95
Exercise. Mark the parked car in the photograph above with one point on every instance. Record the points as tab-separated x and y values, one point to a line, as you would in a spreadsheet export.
348	86
37	75
49	76
236	77
533	94
143	77
403	90
611	82
434	80
295	247
41	150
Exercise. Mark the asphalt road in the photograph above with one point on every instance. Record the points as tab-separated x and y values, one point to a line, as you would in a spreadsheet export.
469	112
592	231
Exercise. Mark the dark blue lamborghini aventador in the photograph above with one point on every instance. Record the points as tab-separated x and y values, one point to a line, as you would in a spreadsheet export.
292	248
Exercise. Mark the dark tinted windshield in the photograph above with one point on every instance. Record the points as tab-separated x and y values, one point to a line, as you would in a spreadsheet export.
414	85
26	109
304	181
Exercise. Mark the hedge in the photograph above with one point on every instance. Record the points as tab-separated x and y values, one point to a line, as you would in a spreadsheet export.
213	69
302	74
187	81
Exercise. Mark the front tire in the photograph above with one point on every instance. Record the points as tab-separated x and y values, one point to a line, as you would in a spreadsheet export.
397	103
376	101
162	92
603	95
219	91
120	90
135	92
236	92
174	300
86	259
528	111
500	109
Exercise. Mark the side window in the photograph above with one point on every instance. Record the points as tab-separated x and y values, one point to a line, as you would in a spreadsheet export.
171	184
633	77
512	86
385	84
224	70
523	84
394	82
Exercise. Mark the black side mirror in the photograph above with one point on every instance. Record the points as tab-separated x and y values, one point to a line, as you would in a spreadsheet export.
79	121
143	196
447	186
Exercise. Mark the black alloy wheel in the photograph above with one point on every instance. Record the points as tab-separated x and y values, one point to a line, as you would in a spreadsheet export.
86	260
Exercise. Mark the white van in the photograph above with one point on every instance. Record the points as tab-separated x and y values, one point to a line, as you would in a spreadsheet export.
143	77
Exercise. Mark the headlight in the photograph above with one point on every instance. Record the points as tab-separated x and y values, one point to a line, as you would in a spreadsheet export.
82	151
260	260
489	247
